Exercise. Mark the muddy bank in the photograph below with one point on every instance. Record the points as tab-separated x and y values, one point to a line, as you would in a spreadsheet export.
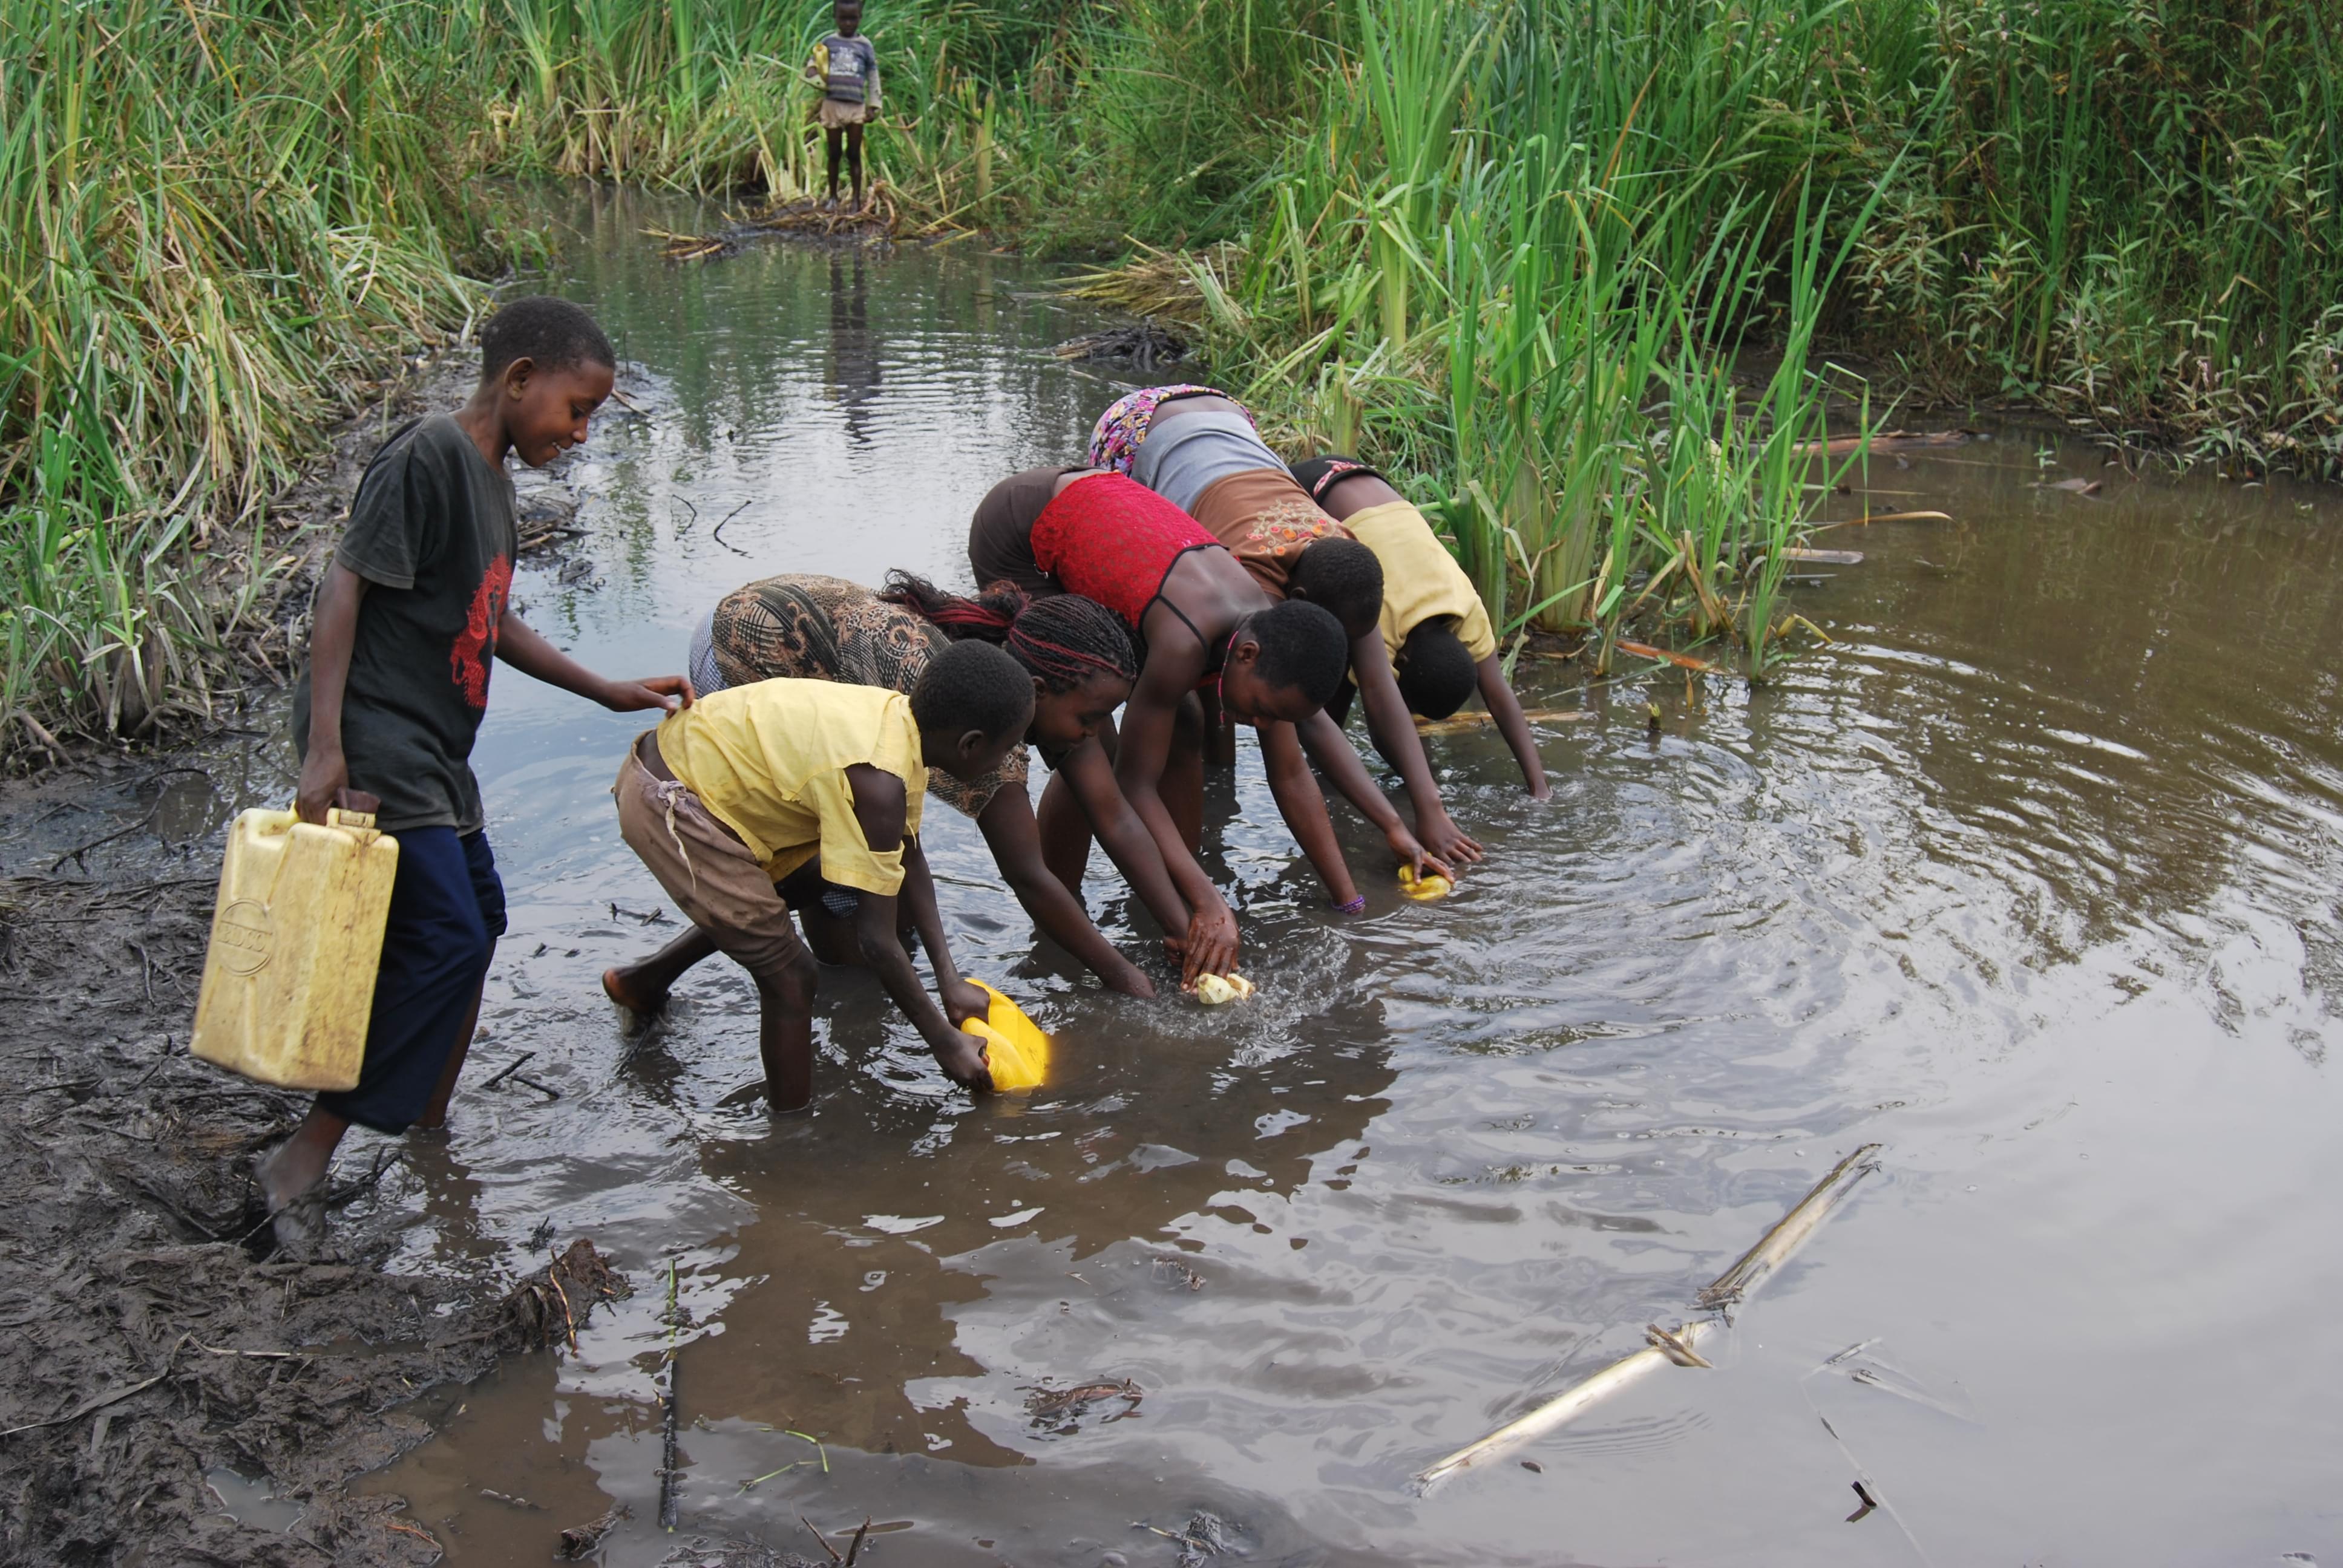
170	1390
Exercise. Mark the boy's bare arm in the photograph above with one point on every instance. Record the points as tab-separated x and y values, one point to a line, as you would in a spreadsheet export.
1331	751
1009	828
1140	760
1304	806
1127	843
333	633
1497	695
879	808
1394	729
518	645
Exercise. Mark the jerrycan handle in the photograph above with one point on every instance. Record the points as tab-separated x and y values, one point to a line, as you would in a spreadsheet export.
352	809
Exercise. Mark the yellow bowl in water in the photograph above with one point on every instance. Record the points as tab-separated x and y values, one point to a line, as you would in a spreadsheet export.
1015	1048
1424	889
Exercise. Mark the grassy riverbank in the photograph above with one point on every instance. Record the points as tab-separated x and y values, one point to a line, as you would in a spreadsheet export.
1506	248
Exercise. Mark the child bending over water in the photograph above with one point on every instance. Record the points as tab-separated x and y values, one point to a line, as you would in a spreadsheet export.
1433	624
1201	621
1199	451
805	626
806	794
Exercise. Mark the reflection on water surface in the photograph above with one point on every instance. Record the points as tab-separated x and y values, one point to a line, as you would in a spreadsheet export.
2030	877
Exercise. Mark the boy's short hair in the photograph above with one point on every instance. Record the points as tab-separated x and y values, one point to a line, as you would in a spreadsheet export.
1436	671
1303	648
551	334
1343	577
974	686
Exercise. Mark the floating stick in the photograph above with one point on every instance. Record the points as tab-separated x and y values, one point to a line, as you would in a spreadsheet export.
1736	1284
668	1416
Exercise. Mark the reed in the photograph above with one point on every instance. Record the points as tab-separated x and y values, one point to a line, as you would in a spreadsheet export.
1514	249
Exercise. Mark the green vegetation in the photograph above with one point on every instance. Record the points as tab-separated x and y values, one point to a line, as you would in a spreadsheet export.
1511	248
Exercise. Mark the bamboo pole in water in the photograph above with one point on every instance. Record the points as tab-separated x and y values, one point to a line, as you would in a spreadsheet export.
1736	1284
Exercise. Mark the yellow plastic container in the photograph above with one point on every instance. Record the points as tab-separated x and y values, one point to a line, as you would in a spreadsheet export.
297	935
1424	889
1015	1048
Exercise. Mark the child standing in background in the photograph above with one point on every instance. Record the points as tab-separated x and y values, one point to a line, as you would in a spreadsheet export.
846	68
408	621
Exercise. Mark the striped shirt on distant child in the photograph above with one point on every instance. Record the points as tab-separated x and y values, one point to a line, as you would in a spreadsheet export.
848	68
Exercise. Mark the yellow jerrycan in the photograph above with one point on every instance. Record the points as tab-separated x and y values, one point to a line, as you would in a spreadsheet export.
1015	1048
297	934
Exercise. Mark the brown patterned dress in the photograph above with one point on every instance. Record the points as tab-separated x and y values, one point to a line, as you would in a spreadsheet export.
803	626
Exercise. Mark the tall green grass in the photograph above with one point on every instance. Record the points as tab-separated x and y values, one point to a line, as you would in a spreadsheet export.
1509	247
212	225
1516	257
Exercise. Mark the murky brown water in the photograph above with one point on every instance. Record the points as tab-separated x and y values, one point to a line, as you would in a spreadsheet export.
2032	877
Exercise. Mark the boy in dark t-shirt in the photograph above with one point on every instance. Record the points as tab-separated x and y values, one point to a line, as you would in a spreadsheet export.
846	68
406	622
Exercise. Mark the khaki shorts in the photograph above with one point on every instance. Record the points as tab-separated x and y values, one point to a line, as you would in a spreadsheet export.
834	116
711	874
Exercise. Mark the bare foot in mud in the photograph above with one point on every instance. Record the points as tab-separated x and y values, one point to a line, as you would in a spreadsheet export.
293	1180
622	985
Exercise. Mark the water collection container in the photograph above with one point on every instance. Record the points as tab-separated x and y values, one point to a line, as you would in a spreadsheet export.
296	936
1015	1048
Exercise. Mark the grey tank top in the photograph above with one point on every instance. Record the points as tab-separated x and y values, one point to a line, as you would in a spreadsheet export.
1183	457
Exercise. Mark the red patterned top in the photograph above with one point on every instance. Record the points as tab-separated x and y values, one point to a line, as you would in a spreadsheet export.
1112	539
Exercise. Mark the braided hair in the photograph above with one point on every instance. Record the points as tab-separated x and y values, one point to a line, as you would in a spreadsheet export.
1062	640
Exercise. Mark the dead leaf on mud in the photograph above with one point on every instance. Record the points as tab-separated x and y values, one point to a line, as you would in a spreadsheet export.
548	1306
1069	1405
581	1541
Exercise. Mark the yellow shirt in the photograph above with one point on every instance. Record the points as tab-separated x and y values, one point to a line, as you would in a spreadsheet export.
769	760
1421	579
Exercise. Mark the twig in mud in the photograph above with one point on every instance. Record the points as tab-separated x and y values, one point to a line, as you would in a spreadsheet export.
553	1278
854	1547
756	1481
694	511
415	1530
549	1093
818	1535
668	1414
112	1396
511	1068
253	1355
78	851
383	1160
717	533
515	1502
655	917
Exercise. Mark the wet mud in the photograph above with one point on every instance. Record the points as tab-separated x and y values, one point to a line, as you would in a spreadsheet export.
2028	877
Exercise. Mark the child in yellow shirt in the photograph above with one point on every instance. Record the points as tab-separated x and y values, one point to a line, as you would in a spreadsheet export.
1433	624
803	794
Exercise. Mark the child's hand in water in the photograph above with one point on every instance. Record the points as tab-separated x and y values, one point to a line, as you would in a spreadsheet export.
1210	947
1414	855
962	1059
1440	836
963	1001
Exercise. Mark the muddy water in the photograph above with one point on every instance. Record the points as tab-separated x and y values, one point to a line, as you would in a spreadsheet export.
2031	876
